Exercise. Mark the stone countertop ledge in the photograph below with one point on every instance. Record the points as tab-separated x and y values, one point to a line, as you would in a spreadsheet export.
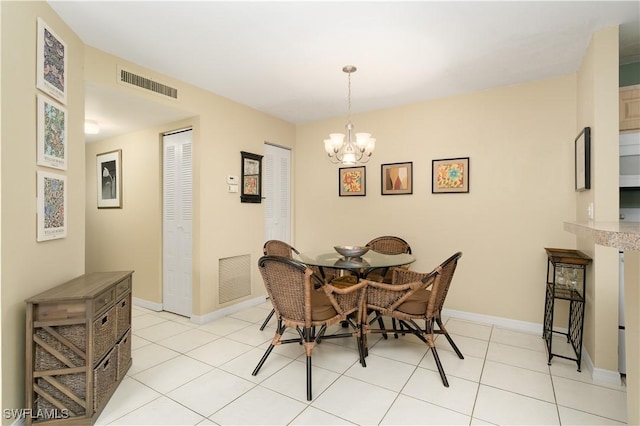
621	235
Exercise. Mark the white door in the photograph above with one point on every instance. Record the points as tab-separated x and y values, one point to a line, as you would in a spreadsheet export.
177	222
276	189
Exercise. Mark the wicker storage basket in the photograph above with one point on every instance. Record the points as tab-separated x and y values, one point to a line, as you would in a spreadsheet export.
75	383
105	378
123	312
104	334
44	360
124	354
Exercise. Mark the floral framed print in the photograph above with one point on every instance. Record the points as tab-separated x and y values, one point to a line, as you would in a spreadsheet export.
583	159
109	179
251	178
51	206
51	66
352	181
396	178
450	175
51	134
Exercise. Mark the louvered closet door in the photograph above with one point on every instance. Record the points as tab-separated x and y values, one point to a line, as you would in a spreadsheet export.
276	188
177	222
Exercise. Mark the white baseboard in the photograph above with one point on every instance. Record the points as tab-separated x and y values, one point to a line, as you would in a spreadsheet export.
598	375
203	319
157	307
529	327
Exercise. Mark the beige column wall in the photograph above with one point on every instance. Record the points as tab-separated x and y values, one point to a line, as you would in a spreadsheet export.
597	108
29	267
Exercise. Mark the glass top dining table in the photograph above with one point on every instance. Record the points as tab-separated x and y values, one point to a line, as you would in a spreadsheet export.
360	266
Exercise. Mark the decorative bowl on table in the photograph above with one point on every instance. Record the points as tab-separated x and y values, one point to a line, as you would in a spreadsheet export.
351	252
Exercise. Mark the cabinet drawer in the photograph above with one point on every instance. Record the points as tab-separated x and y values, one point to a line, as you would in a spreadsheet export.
123	315
103	300
122	287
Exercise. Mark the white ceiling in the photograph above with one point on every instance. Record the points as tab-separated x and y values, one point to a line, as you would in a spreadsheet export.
286	58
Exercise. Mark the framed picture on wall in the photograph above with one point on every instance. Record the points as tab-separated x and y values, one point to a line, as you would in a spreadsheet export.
396	178
51	206
109	179
583	159
352	181
52	134
251	178
450	175
51	66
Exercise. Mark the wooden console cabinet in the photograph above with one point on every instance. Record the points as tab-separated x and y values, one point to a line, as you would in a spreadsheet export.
78	347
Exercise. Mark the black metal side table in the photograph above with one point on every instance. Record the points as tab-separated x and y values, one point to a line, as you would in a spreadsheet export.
566	280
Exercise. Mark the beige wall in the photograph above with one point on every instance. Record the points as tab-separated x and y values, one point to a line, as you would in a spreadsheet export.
29	267
520	143
223	227
598	108
128	238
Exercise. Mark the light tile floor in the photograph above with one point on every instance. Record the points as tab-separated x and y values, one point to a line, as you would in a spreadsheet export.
188	374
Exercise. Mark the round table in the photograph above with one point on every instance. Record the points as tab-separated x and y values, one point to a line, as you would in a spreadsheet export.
359	266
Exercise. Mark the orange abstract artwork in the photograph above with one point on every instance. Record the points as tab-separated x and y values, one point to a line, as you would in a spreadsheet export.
352	181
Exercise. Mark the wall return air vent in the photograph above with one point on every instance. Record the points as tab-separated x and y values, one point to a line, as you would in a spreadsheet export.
132	79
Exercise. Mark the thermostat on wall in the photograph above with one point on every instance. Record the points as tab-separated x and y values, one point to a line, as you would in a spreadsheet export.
232	180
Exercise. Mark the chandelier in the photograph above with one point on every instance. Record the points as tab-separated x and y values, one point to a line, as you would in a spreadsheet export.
358	147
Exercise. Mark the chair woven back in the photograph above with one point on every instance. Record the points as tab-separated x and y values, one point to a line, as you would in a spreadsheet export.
288	285
441	284
385	298
389	245
278	248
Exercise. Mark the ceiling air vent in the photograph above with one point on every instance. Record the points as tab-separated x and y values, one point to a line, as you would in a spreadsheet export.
147	84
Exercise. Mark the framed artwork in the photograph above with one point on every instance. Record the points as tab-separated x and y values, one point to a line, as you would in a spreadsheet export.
109	179
52	134
583	159
450	175
396	178
352	181
51	206
51	66
251	178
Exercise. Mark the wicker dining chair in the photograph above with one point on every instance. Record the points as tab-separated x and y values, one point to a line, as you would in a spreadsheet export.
282	249
414	296
304	302
276	248
387	244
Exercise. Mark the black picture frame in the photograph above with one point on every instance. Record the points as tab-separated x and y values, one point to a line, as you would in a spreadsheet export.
396	178
251	188
450	175
352	181
582	145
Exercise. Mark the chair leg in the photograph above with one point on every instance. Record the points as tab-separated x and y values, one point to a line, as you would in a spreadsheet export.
449	339
264	358
382	326
362	345
445	382
432	345
280	330
308	378
264	324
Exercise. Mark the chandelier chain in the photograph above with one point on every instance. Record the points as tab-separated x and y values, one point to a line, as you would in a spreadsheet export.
349	97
